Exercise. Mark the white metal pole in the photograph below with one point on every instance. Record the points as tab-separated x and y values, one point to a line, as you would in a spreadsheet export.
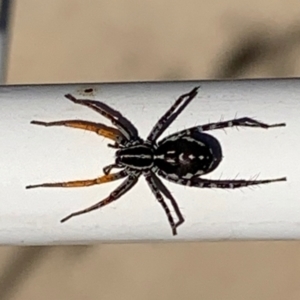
31	154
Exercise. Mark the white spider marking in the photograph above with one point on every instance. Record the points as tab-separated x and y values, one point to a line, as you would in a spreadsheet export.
199	172
188	176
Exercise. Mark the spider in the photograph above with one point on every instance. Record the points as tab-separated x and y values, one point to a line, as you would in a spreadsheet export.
182	157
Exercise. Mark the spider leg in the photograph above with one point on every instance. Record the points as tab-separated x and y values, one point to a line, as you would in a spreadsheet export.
222	184
160	199
241	122
117	119
171	114
114	146
117	193
230	184
107	169
159	184
101	129
81	183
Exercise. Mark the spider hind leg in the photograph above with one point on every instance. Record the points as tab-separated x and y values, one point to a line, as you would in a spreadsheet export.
221	184
230	184
240	122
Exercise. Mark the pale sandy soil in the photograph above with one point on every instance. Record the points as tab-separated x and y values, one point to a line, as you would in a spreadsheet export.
110	40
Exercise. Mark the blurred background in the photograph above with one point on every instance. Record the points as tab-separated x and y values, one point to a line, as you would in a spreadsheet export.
64	41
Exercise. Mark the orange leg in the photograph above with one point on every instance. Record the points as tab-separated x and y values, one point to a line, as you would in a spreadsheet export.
101	129
124	125
117	193
81	183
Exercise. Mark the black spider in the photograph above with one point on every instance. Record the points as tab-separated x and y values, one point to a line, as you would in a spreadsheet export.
180	158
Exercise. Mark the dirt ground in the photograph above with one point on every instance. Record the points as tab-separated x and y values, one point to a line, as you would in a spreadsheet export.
62	41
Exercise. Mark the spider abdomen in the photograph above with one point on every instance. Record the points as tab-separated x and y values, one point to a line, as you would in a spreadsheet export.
188	156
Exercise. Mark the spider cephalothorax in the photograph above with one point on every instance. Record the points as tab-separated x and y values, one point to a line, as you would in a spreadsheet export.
182	157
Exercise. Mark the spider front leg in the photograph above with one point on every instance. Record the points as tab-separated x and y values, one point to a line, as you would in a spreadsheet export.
98	128
242	122
123	124
82	183
117	193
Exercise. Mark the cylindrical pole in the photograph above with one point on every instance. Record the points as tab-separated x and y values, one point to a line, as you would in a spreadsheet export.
31	154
